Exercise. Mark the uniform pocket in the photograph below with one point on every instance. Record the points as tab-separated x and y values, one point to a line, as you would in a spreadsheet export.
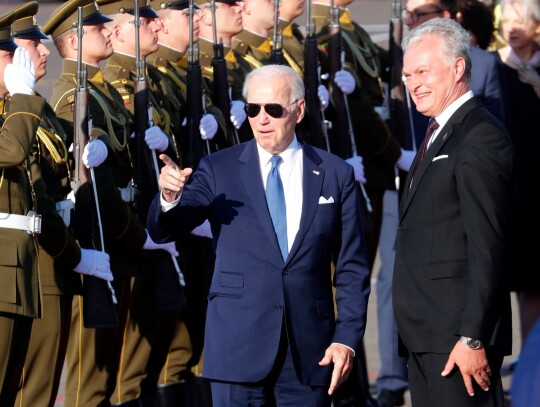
8	272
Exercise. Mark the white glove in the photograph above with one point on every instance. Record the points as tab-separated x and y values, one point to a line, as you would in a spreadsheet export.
208	127
322	92
169	247
345	81
95	263
238	114
406	159
94	153
203	230
156	139
356	163
20	75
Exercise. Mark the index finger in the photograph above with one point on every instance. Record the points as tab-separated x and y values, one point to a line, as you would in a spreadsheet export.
167	160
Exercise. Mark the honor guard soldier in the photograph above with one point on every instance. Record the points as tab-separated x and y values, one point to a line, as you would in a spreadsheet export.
168	65
371	136
59	252
167	68
93	354
155	303
253	43
227	15
19	223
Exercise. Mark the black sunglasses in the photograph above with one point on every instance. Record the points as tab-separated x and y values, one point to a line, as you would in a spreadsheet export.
274	110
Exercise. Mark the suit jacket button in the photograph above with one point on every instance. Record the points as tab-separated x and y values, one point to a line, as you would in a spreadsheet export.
285	272
278	307
402	228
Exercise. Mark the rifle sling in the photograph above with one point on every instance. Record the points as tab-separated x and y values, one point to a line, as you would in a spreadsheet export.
358	52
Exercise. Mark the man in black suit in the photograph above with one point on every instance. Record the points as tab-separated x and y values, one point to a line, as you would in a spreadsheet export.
451	301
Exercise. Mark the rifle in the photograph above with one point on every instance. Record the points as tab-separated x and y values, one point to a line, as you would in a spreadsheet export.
221	83
194	143
98	295
399	102
342	124
315	132
168	278
276	55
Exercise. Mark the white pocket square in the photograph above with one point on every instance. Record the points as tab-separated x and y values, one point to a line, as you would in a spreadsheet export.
440	157
323	200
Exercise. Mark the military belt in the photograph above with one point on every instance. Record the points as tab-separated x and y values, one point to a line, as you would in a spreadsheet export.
30	222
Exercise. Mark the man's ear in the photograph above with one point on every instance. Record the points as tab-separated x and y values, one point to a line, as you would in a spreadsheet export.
72	41
300	110
164	25
116	30
459	69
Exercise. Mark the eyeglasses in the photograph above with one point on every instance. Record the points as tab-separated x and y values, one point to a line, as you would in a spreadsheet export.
415	15
274	110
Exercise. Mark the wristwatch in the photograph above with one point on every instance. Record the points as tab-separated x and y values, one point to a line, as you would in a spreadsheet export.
471	343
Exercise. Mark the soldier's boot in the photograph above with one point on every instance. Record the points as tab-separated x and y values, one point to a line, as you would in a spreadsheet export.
173	394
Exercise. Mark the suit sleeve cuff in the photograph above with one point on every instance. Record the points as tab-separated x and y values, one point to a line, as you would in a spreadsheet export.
352	350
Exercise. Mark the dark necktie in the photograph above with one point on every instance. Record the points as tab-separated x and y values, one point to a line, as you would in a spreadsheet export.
432	126
275	197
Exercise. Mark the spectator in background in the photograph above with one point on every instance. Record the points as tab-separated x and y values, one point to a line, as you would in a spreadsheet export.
477	18
520	76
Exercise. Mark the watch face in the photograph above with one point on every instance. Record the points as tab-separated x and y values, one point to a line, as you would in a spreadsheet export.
475	344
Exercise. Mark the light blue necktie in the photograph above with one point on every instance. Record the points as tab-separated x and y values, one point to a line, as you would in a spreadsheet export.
275	198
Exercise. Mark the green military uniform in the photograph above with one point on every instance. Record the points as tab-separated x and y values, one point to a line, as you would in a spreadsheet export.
91	373
94	354
292	44
150	327
237	69
59	252
252	48
145	344
374	141
165	69
19	277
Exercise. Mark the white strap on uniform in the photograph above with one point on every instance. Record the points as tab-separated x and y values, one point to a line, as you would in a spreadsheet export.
31	222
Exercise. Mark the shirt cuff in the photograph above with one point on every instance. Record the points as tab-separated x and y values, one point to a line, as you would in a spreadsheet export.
167	206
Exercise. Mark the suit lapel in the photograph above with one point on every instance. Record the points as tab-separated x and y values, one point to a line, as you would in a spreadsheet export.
250	173
444	135
313	177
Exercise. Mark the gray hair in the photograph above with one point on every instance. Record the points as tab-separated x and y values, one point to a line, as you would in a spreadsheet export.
529	10
289	76
455	40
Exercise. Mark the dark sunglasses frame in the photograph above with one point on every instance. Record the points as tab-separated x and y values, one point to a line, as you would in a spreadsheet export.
274	110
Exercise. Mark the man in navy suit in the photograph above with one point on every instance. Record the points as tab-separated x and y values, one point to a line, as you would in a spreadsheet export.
450	295
271	331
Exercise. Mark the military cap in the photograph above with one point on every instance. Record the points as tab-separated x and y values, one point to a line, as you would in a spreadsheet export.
66	17
6	40
175	5
127	6
25	25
